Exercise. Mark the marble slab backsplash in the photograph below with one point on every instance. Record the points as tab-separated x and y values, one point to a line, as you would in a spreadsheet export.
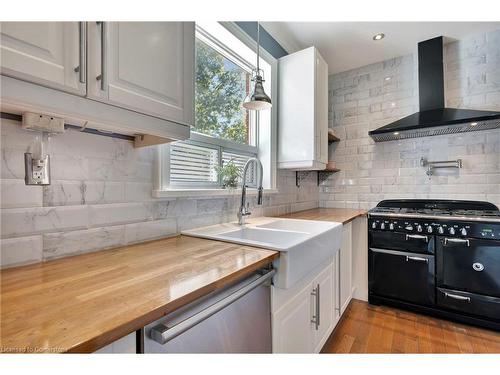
372	96
101	197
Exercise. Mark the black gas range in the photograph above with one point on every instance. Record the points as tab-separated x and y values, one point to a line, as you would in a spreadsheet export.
436	256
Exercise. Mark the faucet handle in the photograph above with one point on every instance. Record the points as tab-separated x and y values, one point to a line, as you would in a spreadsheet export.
259	195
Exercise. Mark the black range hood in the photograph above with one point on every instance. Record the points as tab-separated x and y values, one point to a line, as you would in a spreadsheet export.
434	118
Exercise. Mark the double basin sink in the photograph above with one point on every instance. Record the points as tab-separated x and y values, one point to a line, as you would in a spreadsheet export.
303	244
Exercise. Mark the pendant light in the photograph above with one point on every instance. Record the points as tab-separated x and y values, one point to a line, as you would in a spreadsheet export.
258	99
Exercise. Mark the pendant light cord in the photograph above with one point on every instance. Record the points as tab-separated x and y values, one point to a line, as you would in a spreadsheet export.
258	47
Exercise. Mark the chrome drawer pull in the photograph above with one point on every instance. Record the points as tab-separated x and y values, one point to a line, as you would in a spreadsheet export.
417	237
417	259
457	297
456	240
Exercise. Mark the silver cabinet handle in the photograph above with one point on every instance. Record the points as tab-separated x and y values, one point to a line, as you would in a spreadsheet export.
102	77
162	334
417	237
316	317
318	299
417	259
81	69
457	297
456	240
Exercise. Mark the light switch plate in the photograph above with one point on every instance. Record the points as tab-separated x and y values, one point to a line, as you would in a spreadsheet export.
37	171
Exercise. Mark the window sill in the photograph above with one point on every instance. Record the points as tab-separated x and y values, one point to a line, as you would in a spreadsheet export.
190	193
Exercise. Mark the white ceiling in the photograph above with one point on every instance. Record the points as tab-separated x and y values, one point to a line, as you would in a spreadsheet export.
349	45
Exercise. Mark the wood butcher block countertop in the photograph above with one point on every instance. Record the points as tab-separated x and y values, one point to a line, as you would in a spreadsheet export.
340	215
82	303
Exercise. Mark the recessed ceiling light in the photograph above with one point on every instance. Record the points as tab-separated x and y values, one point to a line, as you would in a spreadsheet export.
395	133
473	123
379	36
388	78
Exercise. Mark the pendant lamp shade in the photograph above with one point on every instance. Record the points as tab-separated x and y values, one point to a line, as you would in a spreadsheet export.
258	99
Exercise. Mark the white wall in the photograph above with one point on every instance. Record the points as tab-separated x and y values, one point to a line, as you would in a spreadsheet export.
362	100
100	197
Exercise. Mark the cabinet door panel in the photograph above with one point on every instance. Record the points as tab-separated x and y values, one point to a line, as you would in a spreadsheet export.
326	310
292	327
150	67
45	53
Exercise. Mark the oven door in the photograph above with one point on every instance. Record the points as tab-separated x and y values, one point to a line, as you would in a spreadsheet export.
401	275
415	243
471	265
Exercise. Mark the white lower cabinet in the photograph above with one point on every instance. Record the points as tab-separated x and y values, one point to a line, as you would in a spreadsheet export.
304	315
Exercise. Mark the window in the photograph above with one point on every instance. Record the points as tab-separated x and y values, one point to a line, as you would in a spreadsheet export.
224	131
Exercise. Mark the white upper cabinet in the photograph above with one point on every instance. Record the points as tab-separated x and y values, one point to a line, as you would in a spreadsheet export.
46	53
303	111
133	78
144	66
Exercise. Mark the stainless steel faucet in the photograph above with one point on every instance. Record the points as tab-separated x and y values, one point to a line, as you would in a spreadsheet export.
244	207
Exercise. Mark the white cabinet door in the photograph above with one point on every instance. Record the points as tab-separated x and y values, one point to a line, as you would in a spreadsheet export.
144	66
45	53
303	111
292	327
346	267
325	284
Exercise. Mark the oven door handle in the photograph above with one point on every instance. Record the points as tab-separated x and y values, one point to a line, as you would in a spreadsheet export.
163	334
417	237
457	297
417	259
456	240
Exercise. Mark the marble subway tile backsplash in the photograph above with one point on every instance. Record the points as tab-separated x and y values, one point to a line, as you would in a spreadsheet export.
101	197
369	97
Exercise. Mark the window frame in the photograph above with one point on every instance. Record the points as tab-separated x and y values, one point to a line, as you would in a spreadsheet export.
163	186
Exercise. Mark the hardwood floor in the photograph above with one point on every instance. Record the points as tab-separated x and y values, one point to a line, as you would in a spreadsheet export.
379	329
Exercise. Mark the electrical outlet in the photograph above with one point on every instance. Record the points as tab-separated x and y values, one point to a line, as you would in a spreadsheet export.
41	122
37	171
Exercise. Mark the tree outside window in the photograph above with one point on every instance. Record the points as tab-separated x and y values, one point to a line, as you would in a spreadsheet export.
221	87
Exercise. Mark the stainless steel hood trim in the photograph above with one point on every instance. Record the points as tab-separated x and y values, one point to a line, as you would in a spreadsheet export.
436	130
437	217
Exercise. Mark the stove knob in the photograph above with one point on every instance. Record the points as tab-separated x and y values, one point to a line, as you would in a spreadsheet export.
429	229
451	231
440	230
409	227
391	226
419	228
463	232
382	226
374	225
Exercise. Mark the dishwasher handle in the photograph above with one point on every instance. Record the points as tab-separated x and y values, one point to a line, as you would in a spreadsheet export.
163	334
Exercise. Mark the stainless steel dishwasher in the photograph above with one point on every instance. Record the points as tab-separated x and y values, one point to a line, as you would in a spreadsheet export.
236	319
